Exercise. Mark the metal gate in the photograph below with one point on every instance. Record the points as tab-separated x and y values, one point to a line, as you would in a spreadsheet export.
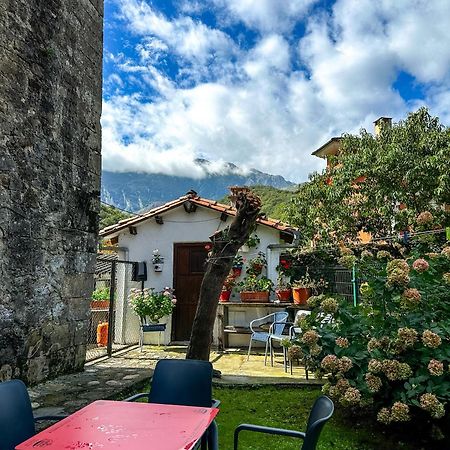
112	325
340	280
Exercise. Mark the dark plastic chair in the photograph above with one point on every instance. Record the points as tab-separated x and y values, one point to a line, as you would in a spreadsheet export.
321	412
17	423
185	382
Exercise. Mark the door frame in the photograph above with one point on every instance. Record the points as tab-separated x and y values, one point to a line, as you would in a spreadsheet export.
175	262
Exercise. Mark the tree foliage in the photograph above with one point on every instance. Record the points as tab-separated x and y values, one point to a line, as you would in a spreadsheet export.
378	184
110	215
274	201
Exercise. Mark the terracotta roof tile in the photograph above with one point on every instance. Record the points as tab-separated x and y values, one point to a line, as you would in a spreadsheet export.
211	204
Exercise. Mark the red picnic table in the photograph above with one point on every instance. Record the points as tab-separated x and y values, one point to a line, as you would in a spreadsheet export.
108	425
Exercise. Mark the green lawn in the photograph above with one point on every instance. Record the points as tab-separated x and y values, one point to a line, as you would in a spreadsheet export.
284	407
289	408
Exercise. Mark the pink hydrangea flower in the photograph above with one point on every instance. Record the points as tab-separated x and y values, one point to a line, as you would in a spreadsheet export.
420	265
436	368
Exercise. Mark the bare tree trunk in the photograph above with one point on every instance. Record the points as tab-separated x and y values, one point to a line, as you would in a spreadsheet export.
225	246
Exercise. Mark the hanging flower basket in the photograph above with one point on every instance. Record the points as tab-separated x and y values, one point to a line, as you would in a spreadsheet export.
157	261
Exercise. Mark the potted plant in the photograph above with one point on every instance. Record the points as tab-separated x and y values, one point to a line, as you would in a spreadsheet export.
252	242
283	289
100	298
151	306
238	262
302	288
227	287
255	289
257	264
157	261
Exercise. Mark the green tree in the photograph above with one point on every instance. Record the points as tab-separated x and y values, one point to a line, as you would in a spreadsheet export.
274	201
378	183
110	215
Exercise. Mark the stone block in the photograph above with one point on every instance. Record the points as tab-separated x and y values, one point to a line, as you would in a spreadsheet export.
49	181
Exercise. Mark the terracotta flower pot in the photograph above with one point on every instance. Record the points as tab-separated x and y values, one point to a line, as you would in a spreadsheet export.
300	295
284	295
255	296
225	296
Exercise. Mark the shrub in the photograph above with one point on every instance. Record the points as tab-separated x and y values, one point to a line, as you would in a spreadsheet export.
391	353
149	303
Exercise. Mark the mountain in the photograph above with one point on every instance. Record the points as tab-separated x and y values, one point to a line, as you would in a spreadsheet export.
136	191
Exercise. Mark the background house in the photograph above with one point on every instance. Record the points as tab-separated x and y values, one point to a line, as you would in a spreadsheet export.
180	230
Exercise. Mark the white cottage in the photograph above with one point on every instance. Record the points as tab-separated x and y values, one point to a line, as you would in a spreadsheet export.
180	230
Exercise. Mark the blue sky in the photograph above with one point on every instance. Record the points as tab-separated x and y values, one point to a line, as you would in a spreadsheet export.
263	83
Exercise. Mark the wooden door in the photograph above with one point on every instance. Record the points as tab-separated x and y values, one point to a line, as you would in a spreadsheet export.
189	268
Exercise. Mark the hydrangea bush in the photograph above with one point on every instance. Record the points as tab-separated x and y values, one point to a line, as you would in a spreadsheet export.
391	353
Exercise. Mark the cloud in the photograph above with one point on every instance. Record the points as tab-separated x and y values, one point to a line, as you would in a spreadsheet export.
190	39
270	104
266	15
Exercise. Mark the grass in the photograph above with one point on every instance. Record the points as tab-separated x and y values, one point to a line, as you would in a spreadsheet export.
289	408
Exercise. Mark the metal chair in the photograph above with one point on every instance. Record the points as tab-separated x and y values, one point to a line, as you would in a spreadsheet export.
321	412
17	423
185	382
277	323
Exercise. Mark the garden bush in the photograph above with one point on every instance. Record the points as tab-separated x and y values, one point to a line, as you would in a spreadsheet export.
391	353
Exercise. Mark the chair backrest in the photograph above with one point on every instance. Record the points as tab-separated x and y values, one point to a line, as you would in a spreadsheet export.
185	382
16	414
278	328
321	412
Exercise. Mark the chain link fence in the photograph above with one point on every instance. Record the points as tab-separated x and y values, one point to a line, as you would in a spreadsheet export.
112	325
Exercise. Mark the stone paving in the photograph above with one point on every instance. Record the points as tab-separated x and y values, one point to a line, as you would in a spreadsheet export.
131	370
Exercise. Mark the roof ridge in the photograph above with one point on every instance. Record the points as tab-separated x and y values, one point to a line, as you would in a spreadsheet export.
200	201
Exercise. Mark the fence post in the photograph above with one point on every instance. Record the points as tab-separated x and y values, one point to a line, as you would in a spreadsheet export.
112	294
355	285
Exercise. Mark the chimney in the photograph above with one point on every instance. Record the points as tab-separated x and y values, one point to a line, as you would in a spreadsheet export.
380	123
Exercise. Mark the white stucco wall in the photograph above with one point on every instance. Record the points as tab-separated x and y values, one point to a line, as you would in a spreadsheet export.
178	227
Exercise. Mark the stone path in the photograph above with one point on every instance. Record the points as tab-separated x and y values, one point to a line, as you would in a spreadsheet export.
132	369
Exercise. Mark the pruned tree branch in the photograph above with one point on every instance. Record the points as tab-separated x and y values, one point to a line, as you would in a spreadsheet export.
226	244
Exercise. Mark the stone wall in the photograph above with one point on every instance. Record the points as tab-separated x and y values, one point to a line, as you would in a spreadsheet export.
50	162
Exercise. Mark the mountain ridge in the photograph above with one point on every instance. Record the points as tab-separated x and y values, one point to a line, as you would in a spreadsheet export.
133	191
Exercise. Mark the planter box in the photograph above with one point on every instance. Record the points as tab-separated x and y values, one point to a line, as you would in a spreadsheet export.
99	304
255	296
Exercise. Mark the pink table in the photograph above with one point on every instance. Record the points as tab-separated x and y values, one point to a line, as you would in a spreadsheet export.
126	425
